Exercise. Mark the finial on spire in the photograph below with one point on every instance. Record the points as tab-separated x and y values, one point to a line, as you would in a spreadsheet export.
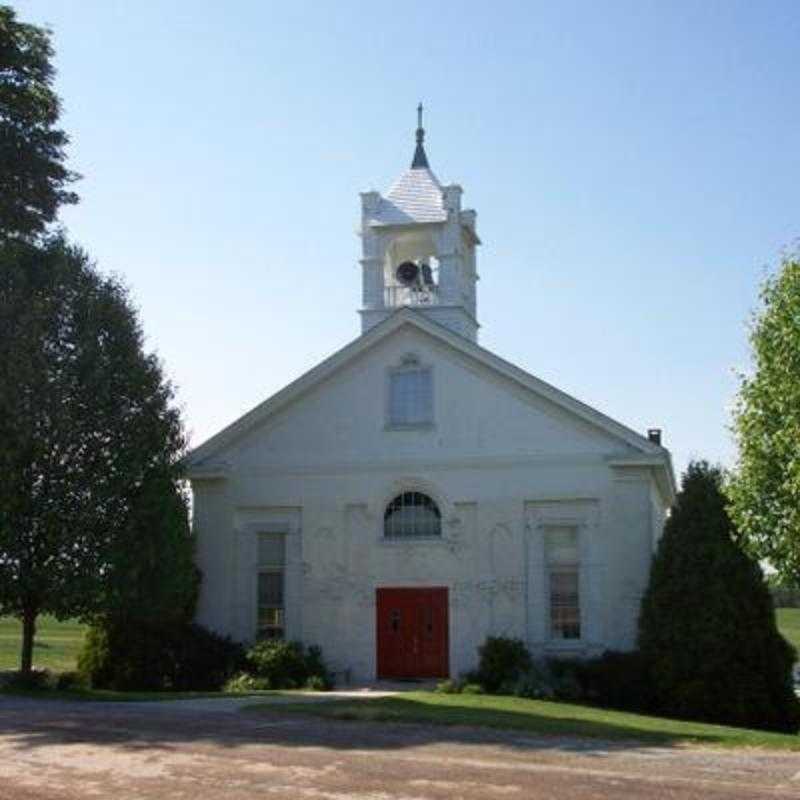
420	159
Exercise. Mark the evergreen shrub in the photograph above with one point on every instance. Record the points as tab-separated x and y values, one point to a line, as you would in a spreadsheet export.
151	657
501	661
707	630
616	680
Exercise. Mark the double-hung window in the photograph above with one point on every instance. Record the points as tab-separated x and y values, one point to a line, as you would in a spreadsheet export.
271	585
563	576
410	396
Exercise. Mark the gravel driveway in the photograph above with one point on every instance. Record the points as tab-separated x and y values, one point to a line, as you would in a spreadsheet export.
65	750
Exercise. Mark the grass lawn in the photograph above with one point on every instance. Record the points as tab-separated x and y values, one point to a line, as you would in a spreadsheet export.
112	696
56	645
789	624
535	717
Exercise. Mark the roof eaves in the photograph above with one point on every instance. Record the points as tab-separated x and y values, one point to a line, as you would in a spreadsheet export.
537	385
661	463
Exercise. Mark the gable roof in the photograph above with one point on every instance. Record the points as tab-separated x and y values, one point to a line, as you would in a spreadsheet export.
416	197
646	453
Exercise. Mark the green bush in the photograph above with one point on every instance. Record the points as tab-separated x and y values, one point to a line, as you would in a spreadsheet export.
138	656
318	673
565	674
545	680
707	627
535	683
95	662
501	662
243	683
315	683
458	686
203	660
616	680
281	663
67	681
288	665
37	679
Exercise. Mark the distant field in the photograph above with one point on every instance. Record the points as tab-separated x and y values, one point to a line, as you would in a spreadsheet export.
56	645
789	625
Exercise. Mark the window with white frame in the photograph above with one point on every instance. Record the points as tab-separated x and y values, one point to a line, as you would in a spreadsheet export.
563	577
271	586
410	395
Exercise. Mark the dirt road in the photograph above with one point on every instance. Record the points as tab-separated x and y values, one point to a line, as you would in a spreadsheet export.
64	750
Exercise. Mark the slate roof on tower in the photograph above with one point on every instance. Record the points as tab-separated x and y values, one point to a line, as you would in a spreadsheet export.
417	194
415	197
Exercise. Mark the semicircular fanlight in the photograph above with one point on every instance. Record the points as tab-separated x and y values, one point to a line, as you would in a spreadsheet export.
412	514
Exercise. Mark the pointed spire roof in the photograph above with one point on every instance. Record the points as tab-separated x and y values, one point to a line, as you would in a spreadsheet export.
420	159
416	196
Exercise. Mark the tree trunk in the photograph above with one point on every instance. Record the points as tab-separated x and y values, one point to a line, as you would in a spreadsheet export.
28	633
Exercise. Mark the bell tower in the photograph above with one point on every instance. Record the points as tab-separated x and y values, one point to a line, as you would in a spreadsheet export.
418	249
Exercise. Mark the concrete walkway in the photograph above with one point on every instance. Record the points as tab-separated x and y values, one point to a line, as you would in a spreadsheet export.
234	704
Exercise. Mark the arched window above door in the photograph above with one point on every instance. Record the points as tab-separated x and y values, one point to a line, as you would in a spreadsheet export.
412	514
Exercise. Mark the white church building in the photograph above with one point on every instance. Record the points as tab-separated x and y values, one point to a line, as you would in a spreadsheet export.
414	493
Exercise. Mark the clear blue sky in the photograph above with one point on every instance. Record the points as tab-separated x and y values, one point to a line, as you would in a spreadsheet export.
634	166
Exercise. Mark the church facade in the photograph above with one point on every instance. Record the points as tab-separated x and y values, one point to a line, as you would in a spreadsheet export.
414	493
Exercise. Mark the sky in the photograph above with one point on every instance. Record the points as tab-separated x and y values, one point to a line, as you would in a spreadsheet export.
634	166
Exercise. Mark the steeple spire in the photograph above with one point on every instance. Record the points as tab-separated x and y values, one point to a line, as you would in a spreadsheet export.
420	159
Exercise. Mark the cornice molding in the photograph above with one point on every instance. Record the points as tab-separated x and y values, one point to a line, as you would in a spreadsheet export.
422	464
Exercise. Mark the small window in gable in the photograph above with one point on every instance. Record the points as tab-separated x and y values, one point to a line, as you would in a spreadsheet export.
410	395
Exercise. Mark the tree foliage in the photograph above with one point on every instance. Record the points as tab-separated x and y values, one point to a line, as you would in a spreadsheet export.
707	628
152	577
87	430
33	179
765	489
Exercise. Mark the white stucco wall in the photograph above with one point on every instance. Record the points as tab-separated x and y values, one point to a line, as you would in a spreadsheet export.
502	464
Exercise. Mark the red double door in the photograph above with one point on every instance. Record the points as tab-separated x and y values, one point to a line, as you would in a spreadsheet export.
412	633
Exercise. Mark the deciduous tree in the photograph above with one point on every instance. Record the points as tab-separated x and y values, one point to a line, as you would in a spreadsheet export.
765	487
90	438
34	182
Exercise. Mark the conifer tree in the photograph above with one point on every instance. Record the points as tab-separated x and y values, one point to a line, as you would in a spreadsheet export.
707	629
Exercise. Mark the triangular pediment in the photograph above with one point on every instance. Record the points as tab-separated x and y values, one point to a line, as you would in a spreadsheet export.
343	397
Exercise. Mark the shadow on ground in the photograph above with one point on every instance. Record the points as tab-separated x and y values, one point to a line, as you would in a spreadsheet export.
33	723
619	731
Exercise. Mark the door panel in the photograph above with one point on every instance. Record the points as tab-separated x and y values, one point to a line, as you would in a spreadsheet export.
412	632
